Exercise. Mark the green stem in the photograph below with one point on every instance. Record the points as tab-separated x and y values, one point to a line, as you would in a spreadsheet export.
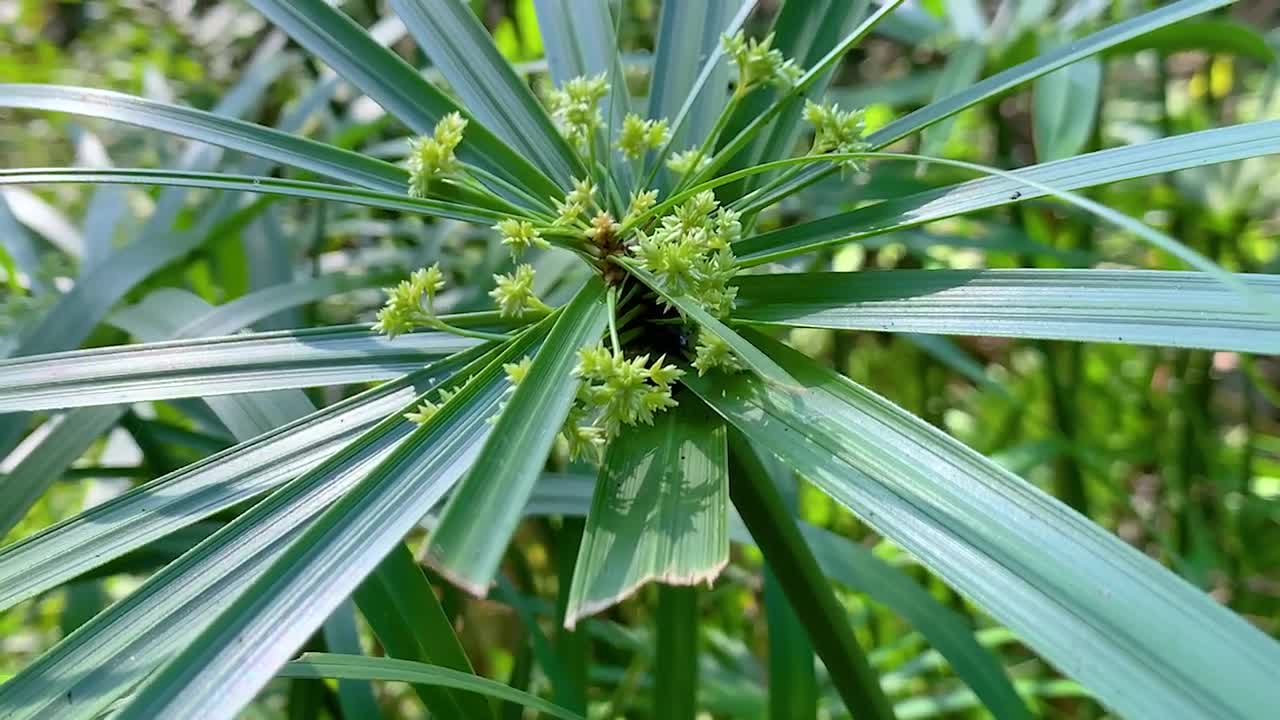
612	300
443	326
676	686
806	588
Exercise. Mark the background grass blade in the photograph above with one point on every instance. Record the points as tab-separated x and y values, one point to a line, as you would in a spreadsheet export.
1146	307
689	38
449	33
1057	580
774	530
1006	80
341	635
324	665
407	619
659	512
480	517
1064	109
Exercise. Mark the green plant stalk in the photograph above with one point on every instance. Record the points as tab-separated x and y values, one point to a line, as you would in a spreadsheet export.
571	645
519	679
407	619
815	604
612	299
675	694
793	684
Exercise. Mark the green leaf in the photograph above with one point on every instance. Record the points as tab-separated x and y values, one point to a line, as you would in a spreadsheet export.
325	665
449	33
826	620
1146	307
233	656
659	512
409	622
146	513
1064	108
482	514
395	85
67	440
395	201
281	147
1006	80
167	614
217	366
32	475
1095	607
1215	35
855	566
1090	170
753	358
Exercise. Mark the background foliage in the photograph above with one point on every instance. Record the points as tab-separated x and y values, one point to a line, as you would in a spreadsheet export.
1177	451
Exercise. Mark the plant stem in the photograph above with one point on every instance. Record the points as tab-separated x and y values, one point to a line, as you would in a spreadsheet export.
806	588
676	686
612	299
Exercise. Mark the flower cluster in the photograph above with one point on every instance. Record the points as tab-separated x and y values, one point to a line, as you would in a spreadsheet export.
625	392
759	63
427	409
639	136
689	252
577	202
576	107
404	310
835	130
432	156
711	352
689	161
520	235
514	293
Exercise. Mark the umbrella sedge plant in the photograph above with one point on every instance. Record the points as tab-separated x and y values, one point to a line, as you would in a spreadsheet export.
663	370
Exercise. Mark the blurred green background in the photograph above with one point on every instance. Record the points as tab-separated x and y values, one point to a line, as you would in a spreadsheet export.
1176	451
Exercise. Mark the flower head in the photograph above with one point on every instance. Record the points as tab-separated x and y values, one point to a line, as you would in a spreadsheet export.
834	130
690	161
432	156
713	353
576	107
627	391
520	235
639	136
759	63
403	310
514	293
